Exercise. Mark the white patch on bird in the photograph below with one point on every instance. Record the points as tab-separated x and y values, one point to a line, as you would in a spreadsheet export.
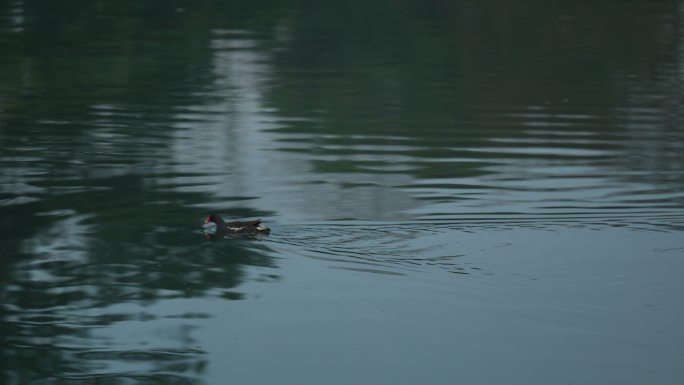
209	228
261	228
235	228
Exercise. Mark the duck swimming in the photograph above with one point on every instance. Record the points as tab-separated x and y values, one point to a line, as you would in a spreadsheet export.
215	225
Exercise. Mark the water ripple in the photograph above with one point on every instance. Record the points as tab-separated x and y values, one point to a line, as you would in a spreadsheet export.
428	244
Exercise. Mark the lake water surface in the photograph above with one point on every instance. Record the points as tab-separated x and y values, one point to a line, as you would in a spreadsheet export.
458	192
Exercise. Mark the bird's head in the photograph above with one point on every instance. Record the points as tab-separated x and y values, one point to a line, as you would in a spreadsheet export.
214	218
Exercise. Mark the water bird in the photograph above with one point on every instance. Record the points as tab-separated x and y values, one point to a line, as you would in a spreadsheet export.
215	225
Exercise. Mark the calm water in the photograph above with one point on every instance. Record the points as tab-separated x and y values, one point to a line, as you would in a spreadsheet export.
459	192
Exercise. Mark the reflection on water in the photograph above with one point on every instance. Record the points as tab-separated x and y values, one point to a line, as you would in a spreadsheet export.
79	287
444	183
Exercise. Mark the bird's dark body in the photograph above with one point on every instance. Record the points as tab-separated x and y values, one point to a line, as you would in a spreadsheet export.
244	226
236	227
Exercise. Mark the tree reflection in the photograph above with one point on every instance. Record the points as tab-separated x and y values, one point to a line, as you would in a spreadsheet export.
90	240
69	275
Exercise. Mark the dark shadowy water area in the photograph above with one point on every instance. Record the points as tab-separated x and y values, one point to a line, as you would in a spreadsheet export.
459	192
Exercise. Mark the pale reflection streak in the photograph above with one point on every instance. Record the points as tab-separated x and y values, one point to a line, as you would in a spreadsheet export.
226	147
218	149
16	17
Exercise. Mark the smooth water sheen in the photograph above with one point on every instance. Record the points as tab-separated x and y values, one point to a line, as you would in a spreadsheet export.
459	192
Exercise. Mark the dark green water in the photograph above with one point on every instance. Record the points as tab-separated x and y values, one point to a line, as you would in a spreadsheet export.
459	192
